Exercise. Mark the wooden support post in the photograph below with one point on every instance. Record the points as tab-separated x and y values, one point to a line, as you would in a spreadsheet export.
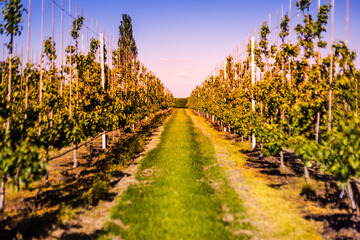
253	83
53	32
27	60
41	61
87	33
62	46
331	63
102	79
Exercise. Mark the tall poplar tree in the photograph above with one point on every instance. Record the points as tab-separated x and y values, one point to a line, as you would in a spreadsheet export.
127	46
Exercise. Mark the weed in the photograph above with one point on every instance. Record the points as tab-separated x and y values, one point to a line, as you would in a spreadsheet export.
308	188
99	190
66	213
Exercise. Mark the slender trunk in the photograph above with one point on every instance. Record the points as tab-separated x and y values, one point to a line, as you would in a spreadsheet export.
75	159
47	172
104	140
10	71
242	138
282	159
351	197
26	95
253	142
282	117
306	173
91	149
317	126
2	194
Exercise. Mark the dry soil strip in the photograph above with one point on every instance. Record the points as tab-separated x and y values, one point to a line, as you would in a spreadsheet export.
257	196
89	221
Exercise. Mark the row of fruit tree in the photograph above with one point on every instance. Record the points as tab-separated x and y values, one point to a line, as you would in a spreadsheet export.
305	100
45	107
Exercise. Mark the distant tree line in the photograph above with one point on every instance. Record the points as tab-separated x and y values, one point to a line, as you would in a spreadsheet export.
181	102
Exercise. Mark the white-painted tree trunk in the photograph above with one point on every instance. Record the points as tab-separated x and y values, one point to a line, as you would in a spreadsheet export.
282	159
253	142
2	195
306	173
104	140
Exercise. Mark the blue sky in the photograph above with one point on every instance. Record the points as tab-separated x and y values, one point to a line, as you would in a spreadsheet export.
181	41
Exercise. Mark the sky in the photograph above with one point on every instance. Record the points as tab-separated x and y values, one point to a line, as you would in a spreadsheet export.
180	41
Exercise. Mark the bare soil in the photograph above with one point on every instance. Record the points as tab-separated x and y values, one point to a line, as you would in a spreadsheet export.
60	211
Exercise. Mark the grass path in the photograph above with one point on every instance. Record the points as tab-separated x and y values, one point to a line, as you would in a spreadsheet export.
274	213
182	192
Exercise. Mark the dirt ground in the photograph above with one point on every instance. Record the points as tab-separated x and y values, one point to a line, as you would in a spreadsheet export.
78	201
320	203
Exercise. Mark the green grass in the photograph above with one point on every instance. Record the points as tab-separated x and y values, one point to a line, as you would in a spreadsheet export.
274	213
182	193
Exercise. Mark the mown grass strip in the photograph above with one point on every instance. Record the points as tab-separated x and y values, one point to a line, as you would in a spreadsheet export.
182	193
274	213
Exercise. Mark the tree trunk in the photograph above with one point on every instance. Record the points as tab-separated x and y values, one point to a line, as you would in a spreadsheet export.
47	172
75	159
10	70
317	129
91	149
282	159
306	173
104	140
2	194
253	142
26	95
351	197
